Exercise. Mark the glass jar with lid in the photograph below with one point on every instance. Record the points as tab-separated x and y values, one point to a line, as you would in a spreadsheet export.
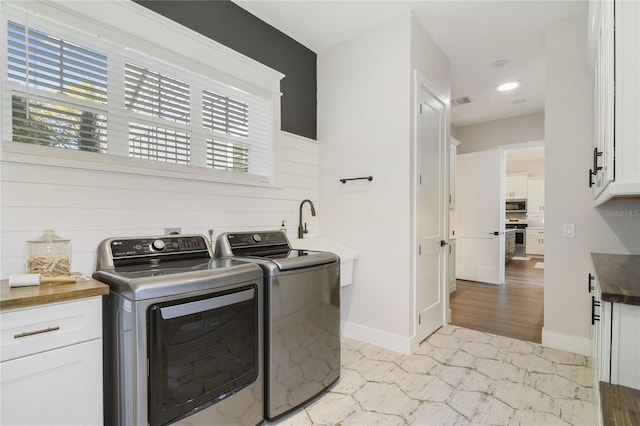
49	255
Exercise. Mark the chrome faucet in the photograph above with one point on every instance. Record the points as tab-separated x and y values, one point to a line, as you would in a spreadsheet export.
301	230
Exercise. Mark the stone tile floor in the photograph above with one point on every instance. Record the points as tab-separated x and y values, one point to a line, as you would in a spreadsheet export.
457	377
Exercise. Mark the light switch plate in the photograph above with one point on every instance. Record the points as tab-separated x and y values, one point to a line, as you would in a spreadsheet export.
569	230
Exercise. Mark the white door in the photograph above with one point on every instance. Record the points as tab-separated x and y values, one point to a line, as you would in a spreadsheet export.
431	148
480	220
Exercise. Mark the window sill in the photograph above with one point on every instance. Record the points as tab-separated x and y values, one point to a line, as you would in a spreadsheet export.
13	152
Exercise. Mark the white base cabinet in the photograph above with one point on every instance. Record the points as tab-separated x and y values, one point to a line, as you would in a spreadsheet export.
535	242
51	369
58	387
625	345
615	341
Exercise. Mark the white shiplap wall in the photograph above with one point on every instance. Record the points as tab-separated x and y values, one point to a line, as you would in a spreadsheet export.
87	206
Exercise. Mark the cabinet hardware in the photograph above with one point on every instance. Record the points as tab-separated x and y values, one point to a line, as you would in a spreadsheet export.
591	178
596	154
591	278
594	317
369	178
31	333
443	243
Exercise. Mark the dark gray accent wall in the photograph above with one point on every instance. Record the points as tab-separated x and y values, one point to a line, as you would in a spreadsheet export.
229	24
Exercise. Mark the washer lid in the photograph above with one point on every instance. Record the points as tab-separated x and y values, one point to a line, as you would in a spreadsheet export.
176	278
297	259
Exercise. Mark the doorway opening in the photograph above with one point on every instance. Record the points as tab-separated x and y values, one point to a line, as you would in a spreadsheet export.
515	308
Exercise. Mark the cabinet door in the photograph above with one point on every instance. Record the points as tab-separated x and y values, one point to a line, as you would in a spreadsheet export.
516	187
57	387
604	86
625	345
535	242
535	196
596	333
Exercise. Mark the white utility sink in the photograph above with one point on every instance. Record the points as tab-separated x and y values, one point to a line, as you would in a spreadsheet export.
347	255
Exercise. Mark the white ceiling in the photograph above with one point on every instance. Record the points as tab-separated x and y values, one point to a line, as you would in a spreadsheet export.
473	34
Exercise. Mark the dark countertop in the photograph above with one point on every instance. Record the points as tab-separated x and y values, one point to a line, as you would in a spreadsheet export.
24	297
619	277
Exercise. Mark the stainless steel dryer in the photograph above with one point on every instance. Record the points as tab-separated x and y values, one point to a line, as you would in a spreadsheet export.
183	334
302	316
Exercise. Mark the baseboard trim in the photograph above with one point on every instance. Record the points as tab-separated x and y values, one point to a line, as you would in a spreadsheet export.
377	337
566	342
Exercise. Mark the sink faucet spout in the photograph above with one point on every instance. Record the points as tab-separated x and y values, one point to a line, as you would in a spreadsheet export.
303	230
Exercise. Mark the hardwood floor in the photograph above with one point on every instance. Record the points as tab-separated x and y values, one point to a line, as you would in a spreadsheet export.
620	405
512	310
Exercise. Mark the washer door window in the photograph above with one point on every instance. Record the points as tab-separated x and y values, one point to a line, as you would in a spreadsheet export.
200	351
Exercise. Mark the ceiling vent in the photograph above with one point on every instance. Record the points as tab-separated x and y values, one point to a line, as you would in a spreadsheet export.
461	101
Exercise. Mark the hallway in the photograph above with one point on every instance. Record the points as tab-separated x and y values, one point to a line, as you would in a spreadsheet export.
511	310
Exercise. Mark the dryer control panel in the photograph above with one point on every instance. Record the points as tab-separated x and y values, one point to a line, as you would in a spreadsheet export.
257	239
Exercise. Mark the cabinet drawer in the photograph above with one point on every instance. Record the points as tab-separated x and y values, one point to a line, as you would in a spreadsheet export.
33	330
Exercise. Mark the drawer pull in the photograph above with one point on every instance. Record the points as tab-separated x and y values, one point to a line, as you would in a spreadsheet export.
31	333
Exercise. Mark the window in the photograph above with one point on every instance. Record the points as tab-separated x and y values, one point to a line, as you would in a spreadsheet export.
79	94
49	65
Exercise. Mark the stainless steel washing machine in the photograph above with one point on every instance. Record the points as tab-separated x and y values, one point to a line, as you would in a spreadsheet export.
183	334
302	316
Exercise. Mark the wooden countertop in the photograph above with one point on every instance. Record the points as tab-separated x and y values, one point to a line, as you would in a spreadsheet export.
25	297
619	277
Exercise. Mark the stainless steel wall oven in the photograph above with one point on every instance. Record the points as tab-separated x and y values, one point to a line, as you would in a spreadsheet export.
183	341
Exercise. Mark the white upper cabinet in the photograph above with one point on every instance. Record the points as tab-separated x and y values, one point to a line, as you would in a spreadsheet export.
615	45
516	187
535	195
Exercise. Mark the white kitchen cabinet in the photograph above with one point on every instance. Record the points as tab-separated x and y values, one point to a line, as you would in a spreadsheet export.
509	244
600	332
616	339
535	195
453	152
625	344
452	265
516	187
51	364
535	242
614	45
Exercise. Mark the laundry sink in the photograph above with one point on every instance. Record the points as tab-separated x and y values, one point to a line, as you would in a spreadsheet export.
347	256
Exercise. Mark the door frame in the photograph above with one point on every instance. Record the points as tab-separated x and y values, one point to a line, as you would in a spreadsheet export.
419	81
504	149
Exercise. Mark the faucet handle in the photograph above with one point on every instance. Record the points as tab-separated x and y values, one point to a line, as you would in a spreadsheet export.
305	228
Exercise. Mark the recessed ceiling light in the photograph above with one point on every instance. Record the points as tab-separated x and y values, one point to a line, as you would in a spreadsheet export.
499	64
510	85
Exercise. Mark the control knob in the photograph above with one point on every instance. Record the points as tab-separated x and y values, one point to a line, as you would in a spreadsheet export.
257	238
158	245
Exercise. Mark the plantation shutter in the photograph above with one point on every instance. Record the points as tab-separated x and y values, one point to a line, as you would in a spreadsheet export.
76	78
